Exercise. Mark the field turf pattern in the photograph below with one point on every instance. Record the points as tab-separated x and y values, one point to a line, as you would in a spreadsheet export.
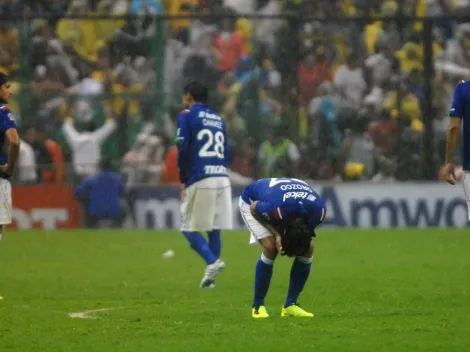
370	290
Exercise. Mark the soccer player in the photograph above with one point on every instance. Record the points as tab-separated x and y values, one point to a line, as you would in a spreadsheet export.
459	114
282	214
9	133
206	192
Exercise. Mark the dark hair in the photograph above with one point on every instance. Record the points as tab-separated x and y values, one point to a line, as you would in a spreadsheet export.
3	78
106	164
90	126
198	91
296	238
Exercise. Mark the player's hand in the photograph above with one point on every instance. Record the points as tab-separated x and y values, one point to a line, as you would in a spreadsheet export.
5	171
279	245
182	192
449	173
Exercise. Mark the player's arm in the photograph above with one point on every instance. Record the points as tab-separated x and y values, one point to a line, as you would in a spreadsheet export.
453	133
83	189
13	149
7	124
183	143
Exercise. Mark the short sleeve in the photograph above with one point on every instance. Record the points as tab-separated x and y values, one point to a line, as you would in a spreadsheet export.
456	109
7	120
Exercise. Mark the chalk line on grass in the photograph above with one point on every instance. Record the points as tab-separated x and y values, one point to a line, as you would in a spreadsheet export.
88	313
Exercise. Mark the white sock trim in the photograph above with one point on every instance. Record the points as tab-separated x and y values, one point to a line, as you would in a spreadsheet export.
305	260
266	260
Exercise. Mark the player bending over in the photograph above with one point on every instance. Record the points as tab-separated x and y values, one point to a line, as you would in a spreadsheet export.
282	214
7	162
206	192
459	114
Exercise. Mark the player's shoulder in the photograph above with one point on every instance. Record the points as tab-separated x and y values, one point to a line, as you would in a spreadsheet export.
5	113
184	112
463	85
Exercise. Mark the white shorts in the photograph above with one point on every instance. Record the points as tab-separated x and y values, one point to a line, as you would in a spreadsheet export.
207	205
466	188
257	230
5	202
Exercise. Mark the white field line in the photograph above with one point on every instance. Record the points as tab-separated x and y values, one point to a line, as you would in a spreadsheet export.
87	314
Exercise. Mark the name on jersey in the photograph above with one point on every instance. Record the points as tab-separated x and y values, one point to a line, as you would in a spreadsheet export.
212	123
295	195
215	169
295	186
208	115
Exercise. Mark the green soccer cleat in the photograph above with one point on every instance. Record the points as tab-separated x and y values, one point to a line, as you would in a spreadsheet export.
259	312
295	311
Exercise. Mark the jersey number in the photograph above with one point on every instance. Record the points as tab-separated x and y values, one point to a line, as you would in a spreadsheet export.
276	181
217	147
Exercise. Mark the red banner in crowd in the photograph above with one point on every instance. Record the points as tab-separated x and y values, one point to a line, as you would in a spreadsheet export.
44	206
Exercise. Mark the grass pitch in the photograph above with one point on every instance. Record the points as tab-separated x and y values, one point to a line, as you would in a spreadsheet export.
374	290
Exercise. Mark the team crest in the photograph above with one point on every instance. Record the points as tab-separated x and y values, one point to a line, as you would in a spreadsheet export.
10	116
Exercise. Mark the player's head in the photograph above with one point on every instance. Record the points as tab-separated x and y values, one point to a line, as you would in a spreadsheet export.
296	238
195	92
106	164
5	88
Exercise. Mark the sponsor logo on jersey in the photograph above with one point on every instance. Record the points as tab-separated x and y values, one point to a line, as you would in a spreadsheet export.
215	169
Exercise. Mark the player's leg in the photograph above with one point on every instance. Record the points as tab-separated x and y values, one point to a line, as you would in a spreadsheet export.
299	274
223	215
5	205
466	188
264	265
192	221
215	242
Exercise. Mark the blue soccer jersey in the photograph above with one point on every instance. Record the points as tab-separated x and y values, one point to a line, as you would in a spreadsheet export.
281	200
6	122
202	144
461	108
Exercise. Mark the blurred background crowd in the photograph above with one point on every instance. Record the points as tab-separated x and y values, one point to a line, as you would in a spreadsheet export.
326	90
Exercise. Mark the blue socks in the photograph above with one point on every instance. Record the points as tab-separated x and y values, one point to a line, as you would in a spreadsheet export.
298	277
199	244
264	272
215	244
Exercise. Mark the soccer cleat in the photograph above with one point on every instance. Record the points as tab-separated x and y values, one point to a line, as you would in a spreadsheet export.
259	312
208	280
294	311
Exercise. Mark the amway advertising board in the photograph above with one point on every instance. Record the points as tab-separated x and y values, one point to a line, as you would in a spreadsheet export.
349	205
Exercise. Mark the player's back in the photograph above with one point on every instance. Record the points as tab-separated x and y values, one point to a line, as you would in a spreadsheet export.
208	143
279	190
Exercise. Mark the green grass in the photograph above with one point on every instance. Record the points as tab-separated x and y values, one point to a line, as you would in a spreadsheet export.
376	290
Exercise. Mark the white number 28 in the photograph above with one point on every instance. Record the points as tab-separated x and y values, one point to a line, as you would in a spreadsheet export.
214	145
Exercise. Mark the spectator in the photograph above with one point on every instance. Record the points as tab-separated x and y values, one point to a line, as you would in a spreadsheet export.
313	71
86	146
349	80
278	156
27	172
102	196
42	156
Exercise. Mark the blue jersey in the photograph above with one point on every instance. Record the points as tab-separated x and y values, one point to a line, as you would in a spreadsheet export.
461	108
282	200
103	193
6	122
202	144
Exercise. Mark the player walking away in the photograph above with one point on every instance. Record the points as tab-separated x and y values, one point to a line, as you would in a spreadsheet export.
459	113
206	192
7	162
282	214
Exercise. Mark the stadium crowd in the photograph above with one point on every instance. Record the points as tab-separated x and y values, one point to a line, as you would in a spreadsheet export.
303	95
